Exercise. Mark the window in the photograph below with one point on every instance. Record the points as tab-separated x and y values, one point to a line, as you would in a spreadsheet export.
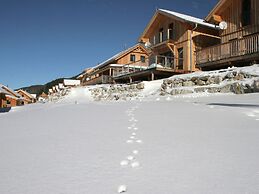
143	59
180	58
170	31
132	58
161	34
246	12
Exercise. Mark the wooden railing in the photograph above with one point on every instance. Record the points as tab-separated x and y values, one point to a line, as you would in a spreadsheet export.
131	68
235	48
103	79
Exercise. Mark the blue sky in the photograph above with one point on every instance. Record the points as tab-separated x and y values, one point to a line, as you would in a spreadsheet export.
41	40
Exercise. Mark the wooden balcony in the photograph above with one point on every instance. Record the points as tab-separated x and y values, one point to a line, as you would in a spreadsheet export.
103	79
244	49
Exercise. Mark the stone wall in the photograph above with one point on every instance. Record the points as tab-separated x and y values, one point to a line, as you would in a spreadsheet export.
116	92
237	82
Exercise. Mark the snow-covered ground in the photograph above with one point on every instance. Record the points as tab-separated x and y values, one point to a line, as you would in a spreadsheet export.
159	145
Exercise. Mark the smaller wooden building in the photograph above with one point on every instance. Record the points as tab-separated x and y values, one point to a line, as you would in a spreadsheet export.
9	98
130	60
27	97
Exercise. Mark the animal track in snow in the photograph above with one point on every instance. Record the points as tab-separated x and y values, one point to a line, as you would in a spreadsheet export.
132	137
133	134
124	163
135	152
135	128
135	164
129	141
139	141
129	127
130	158
122	189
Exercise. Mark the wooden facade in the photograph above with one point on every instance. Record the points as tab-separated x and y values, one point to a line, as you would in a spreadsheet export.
9	98
121	63
27	98
174	38
239	41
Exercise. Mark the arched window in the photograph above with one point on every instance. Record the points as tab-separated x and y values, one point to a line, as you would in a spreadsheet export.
246	12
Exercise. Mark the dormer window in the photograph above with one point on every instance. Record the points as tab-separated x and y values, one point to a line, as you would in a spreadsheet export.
161	34
246	13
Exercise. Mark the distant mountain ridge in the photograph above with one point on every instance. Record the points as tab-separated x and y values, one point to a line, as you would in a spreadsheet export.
38	89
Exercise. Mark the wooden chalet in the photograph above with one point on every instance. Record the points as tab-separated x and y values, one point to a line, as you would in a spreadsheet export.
27	97
9	98
42	97
173	39
125	62
239	45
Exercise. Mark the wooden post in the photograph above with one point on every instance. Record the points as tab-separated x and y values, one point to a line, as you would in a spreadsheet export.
110	72
152	76
130	79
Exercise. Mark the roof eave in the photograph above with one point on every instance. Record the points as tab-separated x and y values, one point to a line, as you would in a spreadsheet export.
215	9
148	25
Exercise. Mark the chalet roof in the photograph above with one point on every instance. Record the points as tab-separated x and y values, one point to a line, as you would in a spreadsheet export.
26	93
10	91
180	17
3	91
118	55
215	9
186	18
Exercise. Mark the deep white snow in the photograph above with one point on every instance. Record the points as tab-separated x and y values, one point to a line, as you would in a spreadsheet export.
157	145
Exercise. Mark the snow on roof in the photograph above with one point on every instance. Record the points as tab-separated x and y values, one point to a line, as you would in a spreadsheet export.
70	82
10	91
60	85
3	90
187	18
27	93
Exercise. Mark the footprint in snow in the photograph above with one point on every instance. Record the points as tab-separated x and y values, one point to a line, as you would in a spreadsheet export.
133	134
124	163
135	152
129	127
135	128
139	141
135	164
129	141
122	189
130	158
132	137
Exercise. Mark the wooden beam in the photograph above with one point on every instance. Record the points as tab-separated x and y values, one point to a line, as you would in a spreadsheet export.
171	47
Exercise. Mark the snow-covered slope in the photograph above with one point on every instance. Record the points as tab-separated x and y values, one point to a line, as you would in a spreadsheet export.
174	145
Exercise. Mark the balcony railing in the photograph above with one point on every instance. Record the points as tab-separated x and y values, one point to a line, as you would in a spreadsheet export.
235	48
103	79
131	68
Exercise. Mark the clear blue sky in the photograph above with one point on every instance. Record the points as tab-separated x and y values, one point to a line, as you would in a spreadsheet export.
41	40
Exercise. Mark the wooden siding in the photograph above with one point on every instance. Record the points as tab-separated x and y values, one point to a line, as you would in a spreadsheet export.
138	52
231	12
238	43
182	33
